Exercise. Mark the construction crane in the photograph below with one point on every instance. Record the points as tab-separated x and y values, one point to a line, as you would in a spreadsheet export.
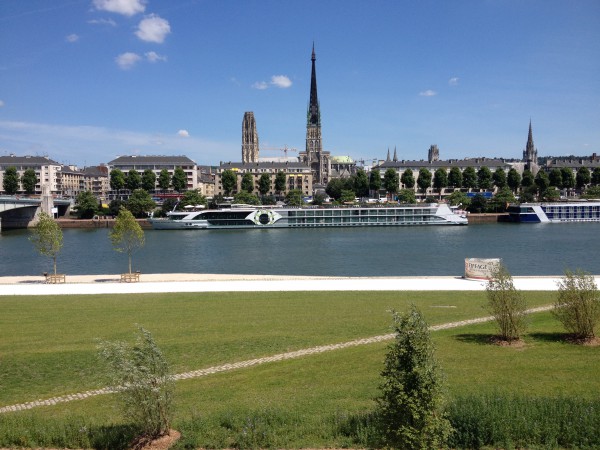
285	149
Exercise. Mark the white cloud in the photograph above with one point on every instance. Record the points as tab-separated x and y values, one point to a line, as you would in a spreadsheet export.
154	57
72	38
125	7
453	81
127	60
153	29
281	81
110	22
1	103
427	93
260	85
183	133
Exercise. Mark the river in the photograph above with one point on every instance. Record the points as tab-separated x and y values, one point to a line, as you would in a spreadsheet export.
526	249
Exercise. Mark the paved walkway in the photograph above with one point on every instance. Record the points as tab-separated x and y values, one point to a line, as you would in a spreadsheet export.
157	283
251	363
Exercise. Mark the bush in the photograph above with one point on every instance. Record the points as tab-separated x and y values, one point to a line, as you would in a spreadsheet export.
578	304
410	409
506	304
145	386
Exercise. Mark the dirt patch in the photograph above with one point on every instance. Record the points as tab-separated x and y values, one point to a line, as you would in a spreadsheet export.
162	443
589	342
515	343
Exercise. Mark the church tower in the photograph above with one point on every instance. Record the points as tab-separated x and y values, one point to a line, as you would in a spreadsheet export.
249	139
530	157
315	157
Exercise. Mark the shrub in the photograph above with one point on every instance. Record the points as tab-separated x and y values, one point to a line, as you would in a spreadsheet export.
578	304
411	406
141	375
506	304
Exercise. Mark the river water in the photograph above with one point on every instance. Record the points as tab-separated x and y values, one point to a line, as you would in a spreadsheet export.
526	249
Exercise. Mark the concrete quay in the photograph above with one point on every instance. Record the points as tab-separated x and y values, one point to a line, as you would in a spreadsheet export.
189	282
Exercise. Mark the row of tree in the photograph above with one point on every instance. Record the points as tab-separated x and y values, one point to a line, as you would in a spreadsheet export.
11	179
148	180
229	181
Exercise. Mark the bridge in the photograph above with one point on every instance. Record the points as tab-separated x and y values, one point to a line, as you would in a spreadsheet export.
21	212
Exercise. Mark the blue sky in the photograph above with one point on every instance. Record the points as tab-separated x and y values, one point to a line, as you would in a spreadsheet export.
84	81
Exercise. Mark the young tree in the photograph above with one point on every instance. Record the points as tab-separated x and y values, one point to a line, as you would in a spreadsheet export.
140	203
127	235
264	184
294	198
583	177
408	179
246	197
143	378
192	197
501	200
410	409
87	205
149	180
248	183
542	182
47	237
455	178
568	179
424	179
179	180
164	179
527	179
29	180
133	180
391	181
407	196
117	179
440	179
459	198
499	178
375	181
513	179
556	178
347	196
578	304
229	180
470	178
506	305
484	178
10	181
361	183
280	180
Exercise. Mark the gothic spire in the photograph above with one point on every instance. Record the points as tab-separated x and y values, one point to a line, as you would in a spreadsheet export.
314	115
388	155
530	138
395	154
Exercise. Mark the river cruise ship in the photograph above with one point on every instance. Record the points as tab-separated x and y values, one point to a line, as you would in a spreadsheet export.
245	216
555	212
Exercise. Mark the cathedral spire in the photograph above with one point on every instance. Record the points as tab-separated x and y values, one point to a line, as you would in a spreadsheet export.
530	152
395	154
314	115
388	155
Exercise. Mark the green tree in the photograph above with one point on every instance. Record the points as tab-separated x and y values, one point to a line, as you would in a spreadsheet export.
133	180
440	179
347	196
87	205
117	179
593	192
229	180
527	179
556	178
375	181
484	178
411	407
391	181
455	178
29	180
578	304
264	184
47	237
596	177
179	180
459	198
361	183
551	195
192	197
424	179
542	182
140	203
513	179
294	198
407	196
470	178
568	179
149	180
334	188
127	235
245	197
478	204
115	206
583	177
145	383
280	180
164	179
408	179
499	178
506	304
248	183
318	199
10	181
501	200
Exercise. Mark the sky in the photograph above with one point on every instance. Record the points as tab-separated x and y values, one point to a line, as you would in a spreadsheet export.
85	81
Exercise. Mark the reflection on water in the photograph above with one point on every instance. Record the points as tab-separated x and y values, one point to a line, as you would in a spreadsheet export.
532	249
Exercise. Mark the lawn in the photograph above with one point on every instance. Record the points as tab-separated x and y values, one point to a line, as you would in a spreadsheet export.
47	348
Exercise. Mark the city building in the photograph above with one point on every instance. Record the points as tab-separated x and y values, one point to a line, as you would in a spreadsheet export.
47	171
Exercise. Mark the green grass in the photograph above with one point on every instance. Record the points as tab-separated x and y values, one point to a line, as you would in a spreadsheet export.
47	348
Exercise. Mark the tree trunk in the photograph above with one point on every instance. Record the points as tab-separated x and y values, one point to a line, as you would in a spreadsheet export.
54	264
129	262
